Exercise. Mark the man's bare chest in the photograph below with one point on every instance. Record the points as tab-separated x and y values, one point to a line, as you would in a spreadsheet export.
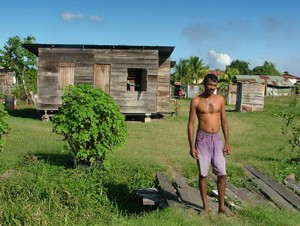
208	107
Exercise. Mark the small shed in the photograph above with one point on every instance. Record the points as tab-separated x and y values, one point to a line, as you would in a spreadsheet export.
137	77
7	81
250	93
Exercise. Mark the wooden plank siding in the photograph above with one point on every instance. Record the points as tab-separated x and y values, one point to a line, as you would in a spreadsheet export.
163	87
61	66
250	96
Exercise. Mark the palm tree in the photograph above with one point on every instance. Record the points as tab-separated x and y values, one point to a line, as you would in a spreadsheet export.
181	72
197	69
226	79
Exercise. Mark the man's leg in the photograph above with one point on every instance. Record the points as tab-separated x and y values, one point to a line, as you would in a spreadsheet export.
203	192
221	185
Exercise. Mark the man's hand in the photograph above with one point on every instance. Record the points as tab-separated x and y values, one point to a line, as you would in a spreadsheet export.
227	149
194	153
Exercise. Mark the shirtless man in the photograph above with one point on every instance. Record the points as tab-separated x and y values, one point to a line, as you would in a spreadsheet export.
208	148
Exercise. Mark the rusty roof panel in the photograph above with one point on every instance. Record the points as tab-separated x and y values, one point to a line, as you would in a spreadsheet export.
269	80
249	78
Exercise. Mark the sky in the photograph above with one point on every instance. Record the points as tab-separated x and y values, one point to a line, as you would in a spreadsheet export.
217	31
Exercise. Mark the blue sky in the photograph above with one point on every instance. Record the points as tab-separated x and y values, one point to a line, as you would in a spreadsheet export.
217	31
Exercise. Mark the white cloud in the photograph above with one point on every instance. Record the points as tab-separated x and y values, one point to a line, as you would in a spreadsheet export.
95	18
72	16
218	60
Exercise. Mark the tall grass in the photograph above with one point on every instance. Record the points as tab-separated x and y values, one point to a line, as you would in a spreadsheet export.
40	186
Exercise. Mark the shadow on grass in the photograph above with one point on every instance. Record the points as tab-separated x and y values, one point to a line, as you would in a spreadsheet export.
127	201
268	158
30	113
231	110
65	160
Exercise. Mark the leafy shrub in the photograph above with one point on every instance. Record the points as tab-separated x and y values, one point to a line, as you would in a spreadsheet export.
4	126
291	128
91	123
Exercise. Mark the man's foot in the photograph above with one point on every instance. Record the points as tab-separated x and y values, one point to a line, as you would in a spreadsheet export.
205	212
227	212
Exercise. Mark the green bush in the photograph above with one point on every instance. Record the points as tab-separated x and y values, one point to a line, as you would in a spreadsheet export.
4	126
291	128
91	123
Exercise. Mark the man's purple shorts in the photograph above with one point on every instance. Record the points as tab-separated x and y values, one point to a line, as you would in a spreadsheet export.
210	152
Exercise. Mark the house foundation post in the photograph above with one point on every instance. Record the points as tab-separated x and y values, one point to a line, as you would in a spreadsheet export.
147	118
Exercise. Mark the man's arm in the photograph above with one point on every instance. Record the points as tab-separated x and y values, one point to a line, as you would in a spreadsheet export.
224	125
191	123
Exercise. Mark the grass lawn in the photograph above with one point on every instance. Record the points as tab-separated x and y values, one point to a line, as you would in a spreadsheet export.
44	189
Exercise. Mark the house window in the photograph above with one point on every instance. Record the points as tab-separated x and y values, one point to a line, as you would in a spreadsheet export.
136	79
65	75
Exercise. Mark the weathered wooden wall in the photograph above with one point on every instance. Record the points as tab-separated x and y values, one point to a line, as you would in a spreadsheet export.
134	102
163	86
250	96
154	99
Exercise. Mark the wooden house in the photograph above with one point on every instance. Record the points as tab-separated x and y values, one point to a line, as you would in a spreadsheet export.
137	77
249	94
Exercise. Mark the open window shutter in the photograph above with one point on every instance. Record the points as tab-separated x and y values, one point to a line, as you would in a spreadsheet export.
144	80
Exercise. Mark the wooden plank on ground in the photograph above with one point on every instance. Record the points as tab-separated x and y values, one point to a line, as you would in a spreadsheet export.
233	194
288	195
189	195
181	181
167	189
146	190
293	185
191	198
241	194
256	197
231	202
152	199
269	192
245	196
151	196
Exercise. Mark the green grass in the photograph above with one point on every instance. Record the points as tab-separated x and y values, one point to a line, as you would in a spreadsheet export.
47	190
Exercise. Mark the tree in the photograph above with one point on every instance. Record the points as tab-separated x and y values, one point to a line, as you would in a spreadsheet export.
91	123
226	78
16	58
241	66
181	73
267	68
196	68
187	71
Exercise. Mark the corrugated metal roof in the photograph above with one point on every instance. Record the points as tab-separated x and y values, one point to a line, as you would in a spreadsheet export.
248	78
163	50
269	80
